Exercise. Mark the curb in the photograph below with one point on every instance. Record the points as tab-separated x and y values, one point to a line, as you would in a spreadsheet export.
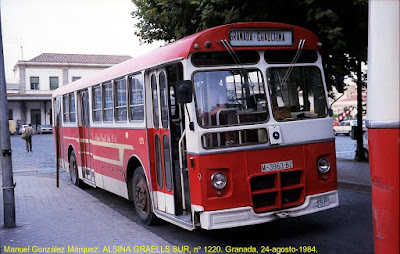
354	186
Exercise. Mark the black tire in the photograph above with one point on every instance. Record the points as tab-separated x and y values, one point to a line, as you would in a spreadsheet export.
141	198
73	171
366	154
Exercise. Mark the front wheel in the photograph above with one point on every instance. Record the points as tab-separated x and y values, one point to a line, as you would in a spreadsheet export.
141	198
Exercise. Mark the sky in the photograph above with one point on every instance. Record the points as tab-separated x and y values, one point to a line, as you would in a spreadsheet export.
103	27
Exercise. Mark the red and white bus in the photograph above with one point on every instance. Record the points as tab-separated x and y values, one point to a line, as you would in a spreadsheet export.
224	128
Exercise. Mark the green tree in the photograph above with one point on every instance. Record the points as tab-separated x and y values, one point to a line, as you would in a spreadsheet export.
341	25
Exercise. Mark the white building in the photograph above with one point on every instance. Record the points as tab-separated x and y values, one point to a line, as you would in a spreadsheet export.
29	94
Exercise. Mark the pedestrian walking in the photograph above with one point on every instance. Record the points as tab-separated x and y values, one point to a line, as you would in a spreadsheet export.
27	134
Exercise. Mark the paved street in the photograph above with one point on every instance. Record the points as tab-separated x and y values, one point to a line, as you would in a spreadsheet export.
94	218
42	157
65	217
351	175
345	147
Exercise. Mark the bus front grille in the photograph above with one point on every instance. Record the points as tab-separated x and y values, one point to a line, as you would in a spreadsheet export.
277	190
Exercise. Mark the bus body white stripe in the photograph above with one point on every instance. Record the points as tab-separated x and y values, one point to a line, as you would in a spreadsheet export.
120	147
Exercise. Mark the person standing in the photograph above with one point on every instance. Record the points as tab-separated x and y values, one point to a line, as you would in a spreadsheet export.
28	132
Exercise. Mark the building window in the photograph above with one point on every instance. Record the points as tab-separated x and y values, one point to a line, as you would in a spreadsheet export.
53	83
10	114
34	83
75	78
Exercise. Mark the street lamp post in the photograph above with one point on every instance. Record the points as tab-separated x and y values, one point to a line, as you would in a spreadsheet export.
6	163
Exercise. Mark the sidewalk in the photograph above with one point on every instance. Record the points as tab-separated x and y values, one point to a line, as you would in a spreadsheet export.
353	175
69	218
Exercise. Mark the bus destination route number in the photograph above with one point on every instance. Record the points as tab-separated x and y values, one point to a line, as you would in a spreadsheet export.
276	166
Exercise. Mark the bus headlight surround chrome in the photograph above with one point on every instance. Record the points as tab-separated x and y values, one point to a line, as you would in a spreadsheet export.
218	180
324	165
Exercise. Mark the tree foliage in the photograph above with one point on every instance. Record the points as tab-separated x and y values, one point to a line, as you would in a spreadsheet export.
341	25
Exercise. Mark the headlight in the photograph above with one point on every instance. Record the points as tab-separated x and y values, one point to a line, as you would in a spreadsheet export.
323	165
218	180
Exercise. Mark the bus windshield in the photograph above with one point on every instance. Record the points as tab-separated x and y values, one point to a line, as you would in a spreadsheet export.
230	97
296	93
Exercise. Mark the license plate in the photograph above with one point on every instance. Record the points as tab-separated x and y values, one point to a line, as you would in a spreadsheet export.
322	202
276	166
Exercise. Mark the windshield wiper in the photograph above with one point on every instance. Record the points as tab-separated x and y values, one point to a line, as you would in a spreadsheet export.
295	58
247	80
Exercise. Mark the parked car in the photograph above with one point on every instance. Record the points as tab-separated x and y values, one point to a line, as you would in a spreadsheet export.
343	128
354	129
346	126
22	128
45	128
365	145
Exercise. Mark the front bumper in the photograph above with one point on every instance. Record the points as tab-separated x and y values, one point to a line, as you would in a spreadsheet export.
243	216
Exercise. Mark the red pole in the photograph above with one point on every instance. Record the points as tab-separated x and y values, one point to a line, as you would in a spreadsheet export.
384	121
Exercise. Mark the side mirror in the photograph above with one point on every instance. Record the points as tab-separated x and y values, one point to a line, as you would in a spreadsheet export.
184	91
339	84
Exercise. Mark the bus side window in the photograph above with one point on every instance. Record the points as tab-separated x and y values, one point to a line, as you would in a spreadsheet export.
120	100
72	108
66	108
69	108
108	102
136	101
97	104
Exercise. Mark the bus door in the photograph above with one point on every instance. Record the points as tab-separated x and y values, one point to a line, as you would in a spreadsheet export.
84	138
178	144
163	193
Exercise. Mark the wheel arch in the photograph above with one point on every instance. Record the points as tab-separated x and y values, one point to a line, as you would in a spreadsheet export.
133	163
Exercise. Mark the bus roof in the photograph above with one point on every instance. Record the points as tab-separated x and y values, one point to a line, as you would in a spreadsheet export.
181	49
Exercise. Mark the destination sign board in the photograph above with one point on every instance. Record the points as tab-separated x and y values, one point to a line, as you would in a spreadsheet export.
260	38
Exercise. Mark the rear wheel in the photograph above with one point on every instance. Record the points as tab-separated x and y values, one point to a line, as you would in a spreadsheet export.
73	171
141	198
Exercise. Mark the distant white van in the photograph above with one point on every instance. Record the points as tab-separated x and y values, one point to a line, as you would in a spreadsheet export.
346	126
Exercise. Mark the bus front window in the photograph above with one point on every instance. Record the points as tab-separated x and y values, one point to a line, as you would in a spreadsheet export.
296	93
230	97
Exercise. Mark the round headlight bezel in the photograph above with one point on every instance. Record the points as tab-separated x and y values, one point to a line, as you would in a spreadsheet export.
218	180
323	165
